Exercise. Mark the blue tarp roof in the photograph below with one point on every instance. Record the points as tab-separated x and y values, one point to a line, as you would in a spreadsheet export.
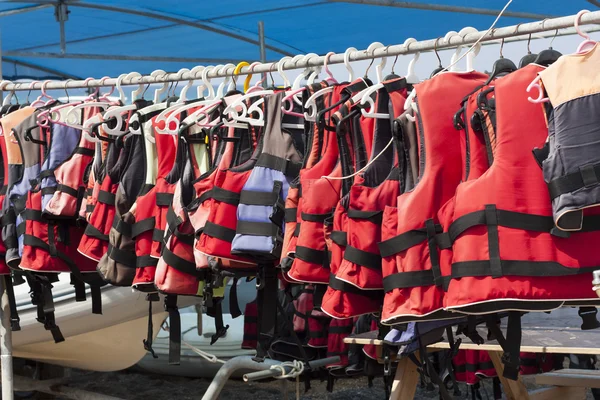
31	40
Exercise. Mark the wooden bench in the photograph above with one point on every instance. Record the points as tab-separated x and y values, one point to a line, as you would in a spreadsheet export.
557	333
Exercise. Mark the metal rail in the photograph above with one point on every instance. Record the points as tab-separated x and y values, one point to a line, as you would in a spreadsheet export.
516	32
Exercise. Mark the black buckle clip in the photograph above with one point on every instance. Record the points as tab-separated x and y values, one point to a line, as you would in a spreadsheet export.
221	332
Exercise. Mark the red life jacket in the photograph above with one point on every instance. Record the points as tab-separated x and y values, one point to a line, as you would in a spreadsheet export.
250	340
94	243
317	203
316	148
535	363
222	200
339	329
176	271
151	212
358	281
413	288
502	244
118	265
472	365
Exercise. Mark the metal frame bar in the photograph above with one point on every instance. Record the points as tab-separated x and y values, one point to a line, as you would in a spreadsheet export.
21	10
35	54
156	28
158	16
515	32
440	7
38	67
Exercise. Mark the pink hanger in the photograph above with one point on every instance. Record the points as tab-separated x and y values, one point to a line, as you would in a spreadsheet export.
39	102
583	48
588	43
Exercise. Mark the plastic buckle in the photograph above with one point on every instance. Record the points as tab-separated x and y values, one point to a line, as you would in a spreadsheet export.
219	334
387	371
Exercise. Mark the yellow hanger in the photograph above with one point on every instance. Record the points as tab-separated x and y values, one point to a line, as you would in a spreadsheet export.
237	70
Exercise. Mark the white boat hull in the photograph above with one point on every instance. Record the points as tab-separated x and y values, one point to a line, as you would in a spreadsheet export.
108	342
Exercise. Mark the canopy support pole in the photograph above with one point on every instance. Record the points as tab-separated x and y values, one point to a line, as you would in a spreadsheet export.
6	358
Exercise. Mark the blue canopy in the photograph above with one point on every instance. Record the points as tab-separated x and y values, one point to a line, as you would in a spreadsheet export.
115	36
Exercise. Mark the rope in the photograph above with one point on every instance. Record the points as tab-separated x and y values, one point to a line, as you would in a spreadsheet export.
296	369
207	356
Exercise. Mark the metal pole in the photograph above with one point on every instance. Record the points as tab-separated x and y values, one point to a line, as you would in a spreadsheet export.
61	14
240	362
6	362
272	373
516	32
261	43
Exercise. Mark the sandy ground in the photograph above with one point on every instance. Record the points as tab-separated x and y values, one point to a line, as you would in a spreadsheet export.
136	385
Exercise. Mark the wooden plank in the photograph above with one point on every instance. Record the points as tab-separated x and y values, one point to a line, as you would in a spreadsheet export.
559	393
514	390
406	379
575	378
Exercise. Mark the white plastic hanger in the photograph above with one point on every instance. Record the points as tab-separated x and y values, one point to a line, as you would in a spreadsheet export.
286	81
411	77
311	103
294	94
473	53
226	81
366	97
161	119
172	123
453	60
347	63
357	98
73	116
118	112
87	127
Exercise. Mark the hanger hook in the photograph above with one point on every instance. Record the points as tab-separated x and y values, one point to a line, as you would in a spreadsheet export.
529	44
326	64
44	85
501	48
578	21
66	91
554	37
31	85
435	50
112	88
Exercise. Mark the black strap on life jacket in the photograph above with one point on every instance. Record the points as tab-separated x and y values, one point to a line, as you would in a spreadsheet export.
94	280
588	318
150	298
511	344
290	214
587	176
218	232
106	197
234	307
12	304
174	329
266	301
144	225
495	267
41	297
164	199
